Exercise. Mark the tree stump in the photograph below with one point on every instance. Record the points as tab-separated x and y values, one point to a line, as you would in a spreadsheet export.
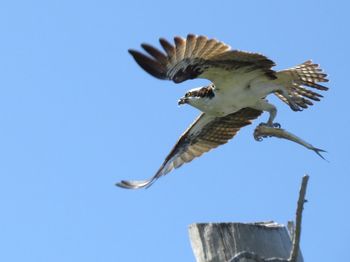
220	242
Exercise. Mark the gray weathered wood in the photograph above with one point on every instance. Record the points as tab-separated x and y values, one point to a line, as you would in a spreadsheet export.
220	242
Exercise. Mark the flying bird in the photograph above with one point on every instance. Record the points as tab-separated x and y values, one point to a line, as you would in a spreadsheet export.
241	82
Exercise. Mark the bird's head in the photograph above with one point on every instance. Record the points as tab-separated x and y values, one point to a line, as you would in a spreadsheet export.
190	97
185	99
198	96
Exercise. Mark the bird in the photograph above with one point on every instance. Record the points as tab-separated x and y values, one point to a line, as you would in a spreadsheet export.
241	81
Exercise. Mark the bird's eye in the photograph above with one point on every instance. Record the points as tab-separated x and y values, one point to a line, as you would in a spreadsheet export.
187	94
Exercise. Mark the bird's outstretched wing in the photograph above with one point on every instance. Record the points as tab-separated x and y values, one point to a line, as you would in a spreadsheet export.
198	57
205	133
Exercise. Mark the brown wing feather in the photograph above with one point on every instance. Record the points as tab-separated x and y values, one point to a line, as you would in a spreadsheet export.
156	54
203	135
152	66
190	45
180	44
206	49
189	58
169	49
201	41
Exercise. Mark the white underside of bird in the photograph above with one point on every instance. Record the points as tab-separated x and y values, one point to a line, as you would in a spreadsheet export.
236	91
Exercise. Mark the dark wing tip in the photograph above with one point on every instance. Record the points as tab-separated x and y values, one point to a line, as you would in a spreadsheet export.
134	184
163	41
179	40
155	53
167	46
315	85
190	35
148	64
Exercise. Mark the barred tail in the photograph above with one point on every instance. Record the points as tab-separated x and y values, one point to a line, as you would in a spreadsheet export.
297	79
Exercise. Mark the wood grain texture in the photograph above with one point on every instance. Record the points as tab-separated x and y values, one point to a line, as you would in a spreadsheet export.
220	242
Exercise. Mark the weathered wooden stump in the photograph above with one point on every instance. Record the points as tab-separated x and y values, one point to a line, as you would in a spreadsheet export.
220	242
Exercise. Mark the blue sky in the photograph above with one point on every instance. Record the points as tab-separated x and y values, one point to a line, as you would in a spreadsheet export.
77	115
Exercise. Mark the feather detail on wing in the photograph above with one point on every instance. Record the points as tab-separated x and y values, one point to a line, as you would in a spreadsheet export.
206	132
189	58
298	78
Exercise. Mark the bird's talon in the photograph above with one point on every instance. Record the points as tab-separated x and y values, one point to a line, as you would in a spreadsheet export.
276	125
258	138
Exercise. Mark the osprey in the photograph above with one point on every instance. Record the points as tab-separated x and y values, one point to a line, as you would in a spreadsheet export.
241	82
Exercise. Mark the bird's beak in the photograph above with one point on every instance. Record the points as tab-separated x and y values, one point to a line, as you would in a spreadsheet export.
182	100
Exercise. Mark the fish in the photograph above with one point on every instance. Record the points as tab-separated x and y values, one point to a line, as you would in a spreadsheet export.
263	131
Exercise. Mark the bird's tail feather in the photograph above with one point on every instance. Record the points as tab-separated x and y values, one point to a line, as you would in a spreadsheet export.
297	79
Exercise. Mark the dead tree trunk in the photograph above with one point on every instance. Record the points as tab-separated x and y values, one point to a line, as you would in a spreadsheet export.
258	242
221	242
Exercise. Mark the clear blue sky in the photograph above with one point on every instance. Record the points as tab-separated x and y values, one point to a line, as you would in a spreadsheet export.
77	115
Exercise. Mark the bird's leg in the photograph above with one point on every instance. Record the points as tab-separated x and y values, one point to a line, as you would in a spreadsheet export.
273	112
271	109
